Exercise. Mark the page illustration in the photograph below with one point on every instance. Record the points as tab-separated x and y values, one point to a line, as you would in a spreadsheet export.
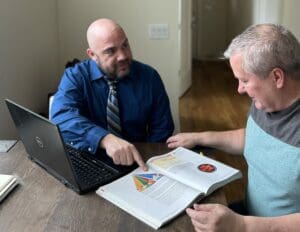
167	161
144	180
207	168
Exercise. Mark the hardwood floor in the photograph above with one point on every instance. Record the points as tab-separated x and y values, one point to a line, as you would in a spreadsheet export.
213	103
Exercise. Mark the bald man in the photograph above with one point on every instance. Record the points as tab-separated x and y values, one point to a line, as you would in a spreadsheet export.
80	104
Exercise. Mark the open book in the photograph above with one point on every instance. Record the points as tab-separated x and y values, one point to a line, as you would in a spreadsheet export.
173	182
7	183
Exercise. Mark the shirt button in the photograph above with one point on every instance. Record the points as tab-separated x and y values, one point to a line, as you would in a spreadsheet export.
72	143
90	149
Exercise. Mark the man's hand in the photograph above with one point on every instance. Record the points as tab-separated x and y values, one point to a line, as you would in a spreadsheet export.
187	140
121	151
215	218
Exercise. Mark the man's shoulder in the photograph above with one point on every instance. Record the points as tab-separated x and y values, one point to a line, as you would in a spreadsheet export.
138	65
283	125
144	72
86	69
81	65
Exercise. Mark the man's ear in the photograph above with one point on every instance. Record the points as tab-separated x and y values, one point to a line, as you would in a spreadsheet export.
91	54
278	77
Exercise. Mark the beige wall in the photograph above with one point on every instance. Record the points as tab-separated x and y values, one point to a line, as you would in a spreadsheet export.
290	16
134	16
28	60
185	49
240	16
211	33
247	12
218	21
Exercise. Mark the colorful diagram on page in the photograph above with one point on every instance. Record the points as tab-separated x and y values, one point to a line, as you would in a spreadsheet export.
145	180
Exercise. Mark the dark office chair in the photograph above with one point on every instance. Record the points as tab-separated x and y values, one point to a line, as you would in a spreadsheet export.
72	63
51	95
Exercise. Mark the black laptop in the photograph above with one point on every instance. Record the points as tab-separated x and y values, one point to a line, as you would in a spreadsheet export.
80	171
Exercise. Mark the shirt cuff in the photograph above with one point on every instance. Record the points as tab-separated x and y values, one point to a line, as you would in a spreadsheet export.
93	138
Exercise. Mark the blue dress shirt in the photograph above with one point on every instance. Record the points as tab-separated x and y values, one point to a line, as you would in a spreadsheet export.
79	106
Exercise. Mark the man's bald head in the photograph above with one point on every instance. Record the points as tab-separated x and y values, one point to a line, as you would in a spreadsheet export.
101	29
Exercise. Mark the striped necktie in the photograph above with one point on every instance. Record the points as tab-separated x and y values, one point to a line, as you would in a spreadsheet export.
113	117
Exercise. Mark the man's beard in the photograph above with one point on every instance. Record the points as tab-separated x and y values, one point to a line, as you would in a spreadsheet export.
113	73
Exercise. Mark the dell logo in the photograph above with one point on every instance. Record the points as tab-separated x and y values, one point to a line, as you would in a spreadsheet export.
39	142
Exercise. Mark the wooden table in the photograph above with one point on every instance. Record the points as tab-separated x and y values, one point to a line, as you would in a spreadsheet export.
42	203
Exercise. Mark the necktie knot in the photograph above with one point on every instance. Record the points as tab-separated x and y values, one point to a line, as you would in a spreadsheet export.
112	84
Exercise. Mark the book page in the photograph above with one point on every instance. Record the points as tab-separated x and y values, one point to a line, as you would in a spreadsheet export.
6	145
190	168
138	190
7	183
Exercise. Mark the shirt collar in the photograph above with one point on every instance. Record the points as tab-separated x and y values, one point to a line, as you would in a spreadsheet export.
96	72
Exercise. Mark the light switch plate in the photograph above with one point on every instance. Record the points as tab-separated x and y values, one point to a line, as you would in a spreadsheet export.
159	31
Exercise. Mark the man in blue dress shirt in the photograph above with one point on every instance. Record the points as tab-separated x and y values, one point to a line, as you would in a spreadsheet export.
80	104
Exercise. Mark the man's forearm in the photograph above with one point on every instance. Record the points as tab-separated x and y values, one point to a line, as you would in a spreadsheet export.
287	223
229	141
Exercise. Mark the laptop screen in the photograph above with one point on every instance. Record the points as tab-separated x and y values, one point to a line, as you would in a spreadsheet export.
42	141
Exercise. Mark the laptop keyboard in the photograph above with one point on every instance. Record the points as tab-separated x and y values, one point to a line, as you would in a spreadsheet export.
89	170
